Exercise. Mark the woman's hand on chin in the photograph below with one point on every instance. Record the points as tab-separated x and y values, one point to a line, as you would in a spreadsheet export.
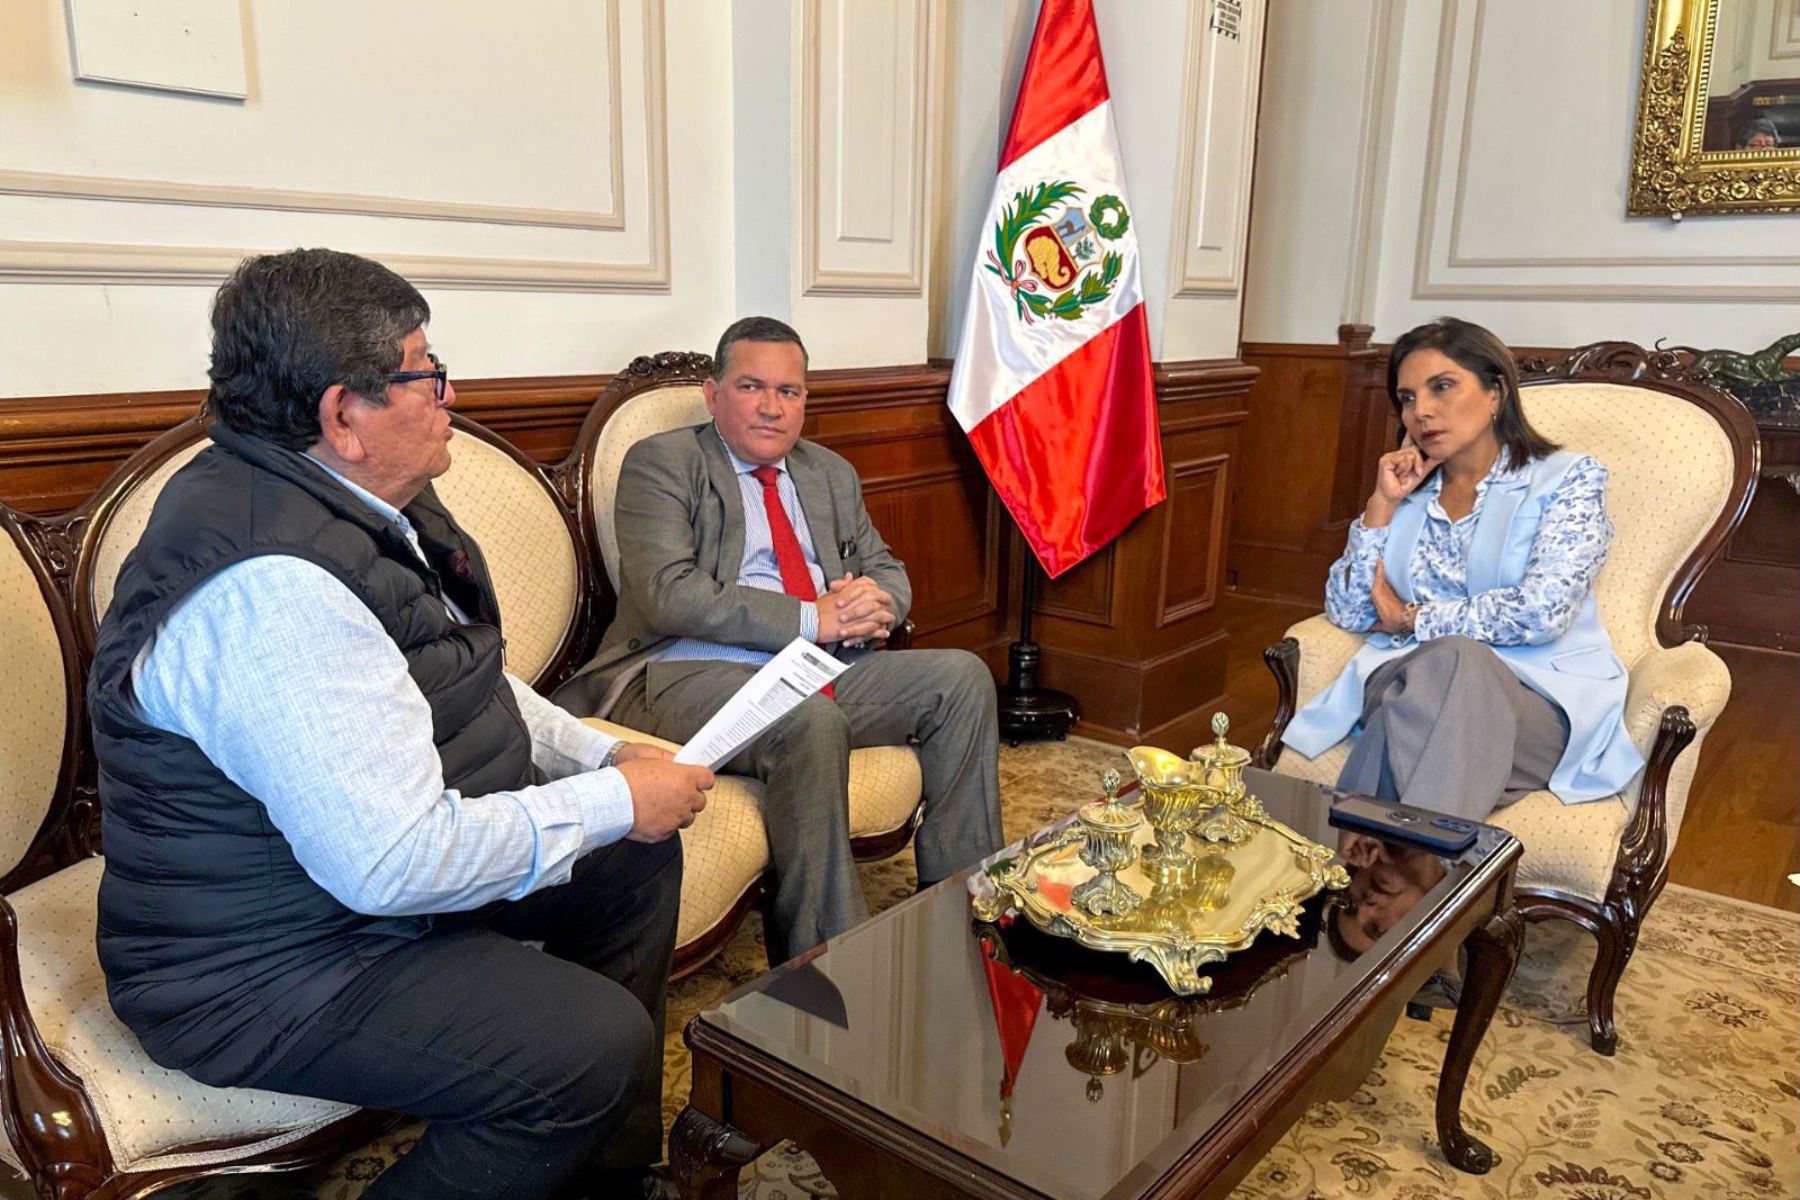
1396	475
1390	612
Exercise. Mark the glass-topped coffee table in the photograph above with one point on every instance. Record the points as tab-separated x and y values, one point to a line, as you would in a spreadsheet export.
927	1054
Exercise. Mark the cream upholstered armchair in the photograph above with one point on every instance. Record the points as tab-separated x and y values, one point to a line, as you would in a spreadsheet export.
86	1112
726	850
1682	459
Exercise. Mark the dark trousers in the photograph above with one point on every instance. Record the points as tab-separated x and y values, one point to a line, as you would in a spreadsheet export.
530	1065
941	700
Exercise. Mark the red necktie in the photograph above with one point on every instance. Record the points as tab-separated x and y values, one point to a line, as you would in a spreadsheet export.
796	580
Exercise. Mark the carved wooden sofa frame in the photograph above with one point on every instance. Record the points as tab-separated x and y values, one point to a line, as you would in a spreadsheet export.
52	1123
1640	867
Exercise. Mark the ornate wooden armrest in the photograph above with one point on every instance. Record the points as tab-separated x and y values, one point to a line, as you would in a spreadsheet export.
901	637
48	1117
1308	658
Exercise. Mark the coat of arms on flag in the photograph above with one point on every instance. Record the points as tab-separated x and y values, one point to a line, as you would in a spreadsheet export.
1048	250
1053	382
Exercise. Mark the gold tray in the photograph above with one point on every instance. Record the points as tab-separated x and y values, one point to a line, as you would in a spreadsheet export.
1236	893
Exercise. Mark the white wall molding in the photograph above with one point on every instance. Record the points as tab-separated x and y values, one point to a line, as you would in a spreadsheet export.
1444	269
1221	79
867	113
1368	189
212	195
114	263
1784	30
637	214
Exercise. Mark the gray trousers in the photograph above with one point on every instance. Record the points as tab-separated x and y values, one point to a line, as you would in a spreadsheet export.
1448	727
941	699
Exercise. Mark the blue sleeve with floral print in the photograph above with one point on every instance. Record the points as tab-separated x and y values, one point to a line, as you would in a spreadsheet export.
1568	553
1349	589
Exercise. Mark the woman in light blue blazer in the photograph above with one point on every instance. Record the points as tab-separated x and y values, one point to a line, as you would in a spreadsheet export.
1486	673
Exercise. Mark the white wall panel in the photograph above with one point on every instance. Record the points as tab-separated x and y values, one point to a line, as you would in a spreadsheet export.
111	294
865	151
473	153
1217	137
1496	147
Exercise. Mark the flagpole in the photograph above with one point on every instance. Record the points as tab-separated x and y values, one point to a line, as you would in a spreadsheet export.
1028	712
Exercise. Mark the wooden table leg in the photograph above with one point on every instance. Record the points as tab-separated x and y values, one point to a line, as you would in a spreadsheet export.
1493	954
707	1156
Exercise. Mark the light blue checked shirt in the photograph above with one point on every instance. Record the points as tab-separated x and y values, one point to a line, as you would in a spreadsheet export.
760	568
290	685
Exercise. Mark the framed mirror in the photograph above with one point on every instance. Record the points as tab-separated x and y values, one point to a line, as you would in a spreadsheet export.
1718	126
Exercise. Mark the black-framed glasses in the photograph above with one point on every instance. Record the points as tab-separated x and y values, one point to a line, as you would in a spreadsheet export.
439	373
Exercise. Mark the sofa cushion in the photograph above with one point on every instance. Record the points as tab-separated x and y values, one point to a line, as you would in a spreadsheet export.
146	1111
34	705
726	849
1670	466
129	518
645	414
529	547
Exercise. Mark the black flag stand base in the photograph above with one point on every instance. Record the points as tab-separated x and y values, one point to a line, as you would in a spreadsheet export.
1029	713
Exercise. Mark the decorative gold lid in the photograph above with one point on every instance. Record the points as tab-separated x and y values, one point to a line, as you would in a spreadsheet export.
1221	756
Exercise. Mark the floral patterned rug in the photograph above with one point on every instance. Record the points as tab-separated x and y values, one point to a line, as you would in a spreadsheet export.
1702	1099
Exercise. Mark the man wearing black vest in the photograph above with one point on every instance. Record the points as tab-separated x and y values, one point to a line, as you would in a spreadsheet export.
330	815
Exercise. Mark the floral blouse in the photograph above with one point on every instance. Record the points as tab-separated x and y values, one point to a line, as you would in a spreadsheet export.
1569	551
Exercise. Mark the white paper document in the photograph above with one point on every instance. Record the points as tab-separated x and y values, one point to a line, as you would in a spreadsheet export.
784	681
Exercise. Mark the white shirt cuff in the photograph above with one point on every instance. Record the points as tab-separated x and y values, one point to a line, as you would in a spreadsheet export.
605	801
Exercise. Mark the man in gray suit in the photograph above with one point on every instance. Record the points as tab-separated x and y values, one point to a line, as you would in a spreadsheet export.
735	538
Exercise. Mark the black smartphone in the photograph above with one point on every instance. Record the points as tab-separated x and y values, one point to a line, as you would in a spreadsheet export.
1402	823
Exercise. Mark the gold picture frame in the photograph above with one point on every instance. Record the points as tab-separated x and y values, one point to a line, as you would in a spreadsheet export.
1672	174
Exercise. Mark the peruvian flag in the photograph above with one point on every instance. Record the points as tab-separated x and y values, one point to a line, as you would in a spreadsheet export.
1052	380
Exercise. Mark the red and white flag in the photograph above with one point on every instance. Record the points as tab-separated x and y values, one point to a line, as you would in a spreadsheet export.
1052	381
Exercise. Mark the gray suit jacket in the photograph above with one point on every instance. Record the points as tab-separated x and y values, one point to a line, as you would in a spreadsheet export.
679	513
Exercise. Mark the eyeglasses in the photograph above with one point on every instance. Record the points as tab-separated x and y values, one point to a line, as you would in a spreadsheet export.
439	373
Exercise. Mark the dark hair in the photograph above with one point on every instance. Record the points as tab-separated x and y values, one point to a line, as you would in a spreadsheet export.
288	326
1486	357
1336	907
1759	125
752	329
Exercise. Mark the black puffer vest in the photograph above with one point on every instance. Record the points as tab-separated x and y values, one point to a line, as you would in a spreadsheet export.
217	945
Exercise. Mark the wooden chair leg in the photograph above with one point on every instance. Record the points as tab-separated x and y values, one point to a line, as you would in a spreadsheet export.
1617	938
1615	941
1639	874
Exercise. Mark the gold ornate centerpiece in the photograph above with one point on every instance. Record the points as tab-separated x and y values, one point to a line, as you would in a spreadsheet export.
1234	811
1172	799
1112	880
1107	826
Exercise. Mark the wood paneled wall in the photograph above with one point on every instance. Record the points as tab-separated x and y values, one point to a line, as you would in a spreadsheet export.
1133	633
1751	597
1319	418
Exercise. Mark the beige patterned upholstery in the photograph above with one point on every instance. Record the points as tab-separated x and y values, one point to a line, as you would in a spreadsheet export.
34	703
726	849
129	519
1670	469
518	525
644	414
1670	466
728	839
146	1111
530	552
